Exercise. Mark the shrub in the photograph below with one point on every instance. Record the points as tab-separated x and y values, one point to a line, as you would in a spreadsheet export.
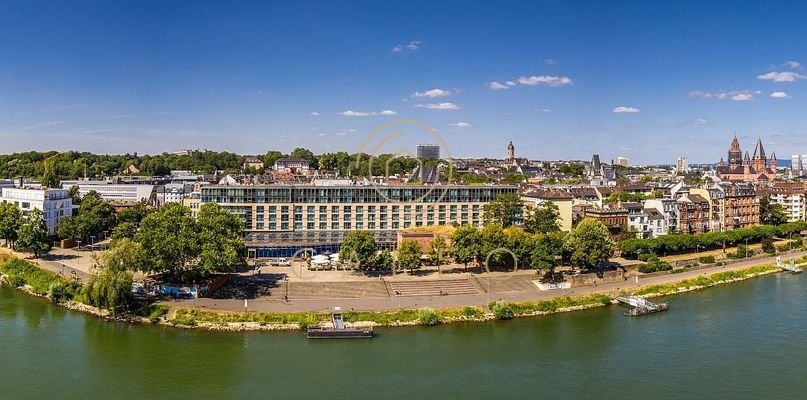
427	316
502	310
707	259
16	281
471	312
57	292
767	246
654	266
153	312
644	257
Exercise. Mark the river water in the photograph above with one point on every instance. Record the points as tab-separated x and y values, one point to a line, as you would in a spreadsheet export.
739	341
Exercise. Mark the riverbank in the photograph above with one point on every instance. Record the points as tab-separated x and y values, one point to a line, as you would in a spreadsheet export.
28	277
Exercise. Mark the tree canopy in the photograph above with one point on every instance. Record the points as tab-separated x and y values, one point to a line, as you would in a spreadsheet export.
590	243
543	218
505	210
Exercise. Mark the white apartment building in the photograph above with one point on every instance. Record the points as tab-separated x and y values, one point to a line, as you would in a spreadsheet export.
113	192
681	165
55	204
791	197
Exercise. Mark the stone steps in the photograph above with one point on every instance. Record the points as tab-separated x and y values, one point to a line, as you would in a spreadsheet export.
510	283
333	290
433	288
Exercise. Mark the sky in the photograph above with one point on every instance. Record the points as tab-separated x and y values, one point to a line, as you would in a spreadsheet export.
647	80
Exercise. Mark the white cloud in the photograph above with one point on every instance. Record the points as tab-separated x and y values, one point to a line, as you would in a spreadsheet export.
793	64
549	61
314	114
413	45
623	109
736	95
780	95
461	125
543	110
700	121
351	113
432	93
388	112
547	80
786	76
439	106
510	83
322	134
497	86
345	132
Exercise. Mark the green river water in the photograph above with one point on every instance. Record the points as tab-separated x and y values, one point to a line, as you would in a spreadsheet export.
738	341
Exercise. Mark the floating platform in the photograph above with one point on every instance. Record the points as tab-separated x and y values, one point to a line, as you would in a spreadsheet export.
338	330
641	306
331	333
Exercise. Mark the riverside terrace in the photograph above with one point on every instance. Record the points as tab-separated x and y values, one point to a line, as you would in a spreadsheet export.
282	219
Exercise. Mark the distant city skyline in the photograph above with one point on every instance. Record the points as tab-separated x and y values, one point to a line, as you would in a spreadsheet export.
562	80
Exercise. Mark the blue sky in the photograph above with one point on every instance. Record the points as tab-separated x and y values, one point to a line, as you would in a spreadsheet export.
149	77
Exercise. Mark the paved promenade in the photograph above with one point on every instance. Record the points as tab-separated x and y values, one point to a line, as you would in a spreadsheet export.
275	303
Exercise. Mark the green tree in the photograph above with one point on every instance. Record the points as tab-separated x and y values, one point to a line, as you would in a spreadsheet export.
493	245
124	230
307	155
136	213
409	254
505	210
439	251
10	221
590	243
33	234
171	240
111	286
358	247
771	213
547	248
384	260
543	218
270	158
520	243
95	217
465	244
74	194
221	237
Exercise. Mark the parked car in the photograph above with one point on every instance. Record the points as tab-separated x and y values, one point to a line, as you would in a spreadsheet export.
281	262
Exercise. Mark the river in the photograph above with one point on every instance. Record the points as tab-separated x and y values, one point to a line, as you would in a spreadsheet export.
738	341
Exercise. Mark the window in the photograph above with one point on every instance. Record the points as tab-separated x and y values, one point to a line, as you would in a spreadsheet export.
395	225
359	225
323	226
334	225
284	226
347	225
272	226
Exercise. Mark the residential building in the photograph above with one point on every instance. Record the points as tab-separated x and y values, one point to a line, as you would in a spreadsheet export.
739	168
282	219
791	196
693	214
55	204
292	165
742	206
716	196
428	151
253	163
563	200
616	219
637	220
681	165
668	208
622	162
656	222
169	193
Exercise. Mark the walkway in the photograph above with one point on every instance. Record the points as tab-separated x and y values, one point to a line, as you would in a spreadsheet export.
276	304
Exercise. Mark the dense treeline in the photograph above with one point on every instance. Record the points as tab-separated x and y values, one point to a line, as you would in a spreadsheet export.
681	243
73	164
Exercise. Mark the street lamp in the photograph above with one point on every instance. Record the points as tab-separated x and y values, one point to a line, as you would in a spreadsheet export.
286	281
746	247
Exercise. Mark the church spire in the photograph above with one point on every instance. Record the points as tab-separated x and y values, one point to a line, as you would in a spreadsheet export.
759	151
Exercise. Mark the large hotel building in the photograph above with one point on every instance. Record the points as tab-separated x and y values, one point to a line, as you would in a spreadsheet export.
280	220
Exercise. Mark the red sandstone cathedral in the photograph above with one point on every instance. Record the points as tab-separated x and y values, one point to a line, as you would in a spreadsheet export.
739	168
